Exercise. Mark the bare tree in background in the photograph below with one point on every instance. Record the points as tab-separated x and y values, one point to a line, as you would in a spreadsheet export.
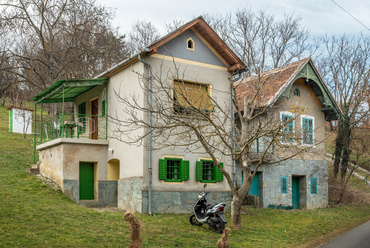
184	116
346	69
57	39
141	35
175	24
260	40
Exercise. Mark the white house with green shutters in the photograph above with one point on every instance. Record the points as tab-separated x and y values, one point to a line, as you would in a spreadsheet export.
81	151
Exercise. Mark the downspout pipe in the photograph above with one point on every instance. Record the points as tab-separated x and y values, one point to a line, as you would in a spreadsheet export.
233	80
150	133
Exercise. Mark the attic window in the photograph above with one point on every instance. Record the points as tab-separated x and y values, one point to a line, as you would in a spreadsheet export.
297	93
190	44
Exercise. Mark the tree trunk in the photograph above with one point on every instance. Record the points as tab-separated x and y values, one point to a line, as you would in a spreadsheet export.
338	149
346	149
236	205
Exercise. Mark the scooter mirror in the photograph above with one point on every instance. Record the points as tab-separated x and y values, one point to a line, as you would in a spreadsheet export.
205	185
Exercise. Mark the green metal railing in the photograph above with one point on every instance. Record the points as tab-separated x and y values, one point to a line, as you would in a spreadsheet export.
77	126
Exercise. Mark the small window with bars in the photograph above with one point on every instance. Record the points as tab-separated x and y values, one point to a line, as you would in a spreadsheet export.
313	185
284	184
297	92
207	172
173	169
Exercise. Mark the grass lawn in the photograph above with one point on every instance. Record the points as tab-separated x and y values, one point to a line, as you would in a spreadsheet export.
34	215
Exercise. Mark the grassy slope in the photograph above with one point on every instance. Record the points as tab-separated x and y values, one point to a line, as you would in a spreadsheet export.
34	215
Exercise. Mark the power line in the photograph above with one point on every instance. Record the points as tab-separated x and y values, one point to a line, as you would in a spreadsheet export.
351	15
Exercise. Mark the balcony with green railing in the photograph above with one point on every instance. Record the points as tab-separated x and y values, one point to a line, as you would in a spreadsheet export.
75	126
69	127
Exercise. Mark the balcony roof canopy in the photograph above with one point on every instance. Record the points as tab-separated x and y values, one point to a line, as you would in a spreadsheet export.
67	90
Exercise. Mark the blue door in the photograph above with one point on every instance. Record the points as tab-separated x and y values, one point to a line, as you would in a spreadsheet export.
296	193
254	186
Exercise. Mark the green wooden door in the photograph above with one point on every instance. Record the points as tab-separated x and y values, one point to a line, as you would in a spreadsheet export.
86	181
254	186
295	192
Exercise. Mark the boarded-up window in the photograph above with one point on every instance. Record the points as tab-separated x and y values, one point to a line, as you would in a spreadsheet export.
188	95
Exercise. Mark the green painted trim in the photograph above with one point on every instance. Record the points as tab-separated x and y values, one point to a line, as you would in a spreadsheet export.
41	124
106	110
53	93
309	72
63	128
11	120
34	137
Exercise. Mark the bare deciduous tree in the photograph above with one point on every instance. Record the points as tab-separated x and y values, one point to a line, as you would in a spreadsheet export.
260	40
59	40
346	69
142	34
184	116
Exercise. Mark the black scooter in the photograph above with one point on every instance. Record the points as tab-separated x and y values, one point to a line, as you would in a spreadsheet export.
210	214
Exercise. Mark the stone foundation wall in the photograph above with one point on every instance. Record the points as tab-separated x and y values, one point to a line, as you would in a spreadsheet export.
305	169
130	194
107	193
181	202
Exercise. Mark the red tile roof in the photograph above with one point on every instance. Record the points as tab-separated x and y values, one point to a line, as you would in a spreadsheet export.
271	84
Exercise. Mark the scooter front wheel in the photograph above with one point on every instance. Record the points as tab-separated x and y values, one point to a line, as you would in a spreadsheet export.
193	220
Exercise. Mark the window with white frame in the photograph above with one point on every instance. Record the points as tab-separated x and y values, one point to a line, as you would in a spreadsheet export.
307	125
287	118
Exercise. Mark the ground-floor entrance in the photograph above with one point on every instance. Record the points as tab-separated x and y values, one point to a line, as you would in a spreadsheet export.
86	181
296	193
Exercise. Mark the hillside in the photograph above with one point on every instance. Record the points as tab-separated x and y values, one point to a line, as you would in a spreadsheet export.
34	215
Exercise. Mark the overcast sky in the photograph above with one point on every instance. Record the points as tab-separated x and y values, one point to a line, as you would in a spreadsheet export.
319	16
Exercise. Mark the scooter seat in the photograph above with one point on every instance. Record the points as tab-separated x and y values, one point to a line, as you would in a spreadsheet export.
208	206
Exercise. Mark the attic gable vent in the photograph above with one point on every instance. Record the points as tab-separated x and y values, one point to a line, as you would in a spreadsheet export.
190	44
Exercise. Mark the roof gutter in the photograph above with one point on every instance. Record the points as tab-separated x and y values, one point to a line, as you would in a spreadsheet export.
240	75
150	134
136	55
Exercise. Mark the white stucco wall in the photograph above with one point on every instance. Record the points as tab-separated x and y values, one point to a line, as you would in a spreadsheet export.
218	79
22	121
130	156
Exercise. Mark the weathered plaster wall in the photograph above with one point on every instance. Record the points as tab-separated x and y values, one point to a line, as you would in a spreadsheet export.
305	102
51	165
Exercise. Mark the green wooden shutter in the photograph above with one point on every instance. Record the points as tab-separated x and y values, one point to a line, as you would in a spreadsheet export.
199	170
82	117
103	108
86	181
184	167
162	169
220	176
11	121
